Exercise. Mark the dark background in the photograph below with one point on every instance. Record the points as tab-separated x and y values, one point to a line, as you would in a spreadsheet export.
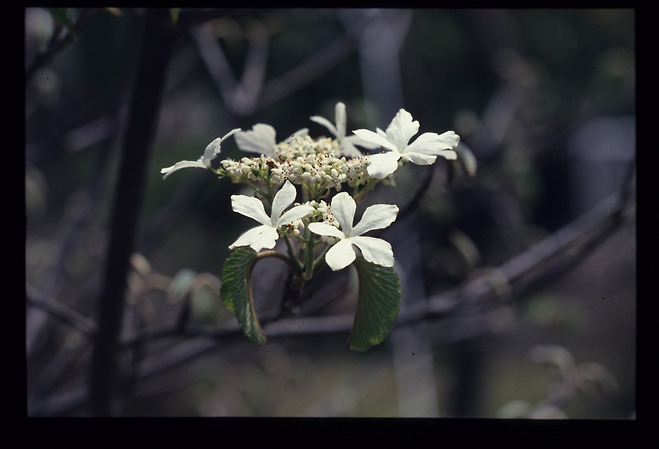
544	99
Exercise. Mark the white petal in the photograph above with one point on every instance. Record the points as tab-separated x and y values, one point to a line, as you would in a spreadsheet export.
433	143
213	148
356	140
179	165
420	158
340	255
299	133
340	119
260	139
374	250
375	138
449	154
257	238
401	129
377	216
250	207
326	123
326	229
450	138
282	200
294	214
348	149
383	164
343	209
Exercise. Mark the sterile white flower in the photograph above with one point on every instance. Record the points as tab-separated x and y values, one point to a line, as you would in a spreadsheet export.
423	151
347	143
266	235
212	150
261	139
373	249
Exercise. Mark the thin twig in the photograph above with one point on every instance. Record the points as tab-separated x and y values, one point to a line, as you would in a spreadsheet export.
58	45
311	69
61	312
564	249
413	204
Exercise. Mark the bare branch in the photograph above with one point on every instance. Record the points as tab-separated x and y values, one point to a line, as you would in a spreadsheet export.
246	97
159	39
538	265
241	96
61	312
216	63
57	45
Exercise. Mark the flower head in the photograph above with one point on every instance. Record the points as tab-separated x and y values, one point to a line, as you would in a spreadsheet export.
261	139
374	250
212	150
339	131
266	235
423	151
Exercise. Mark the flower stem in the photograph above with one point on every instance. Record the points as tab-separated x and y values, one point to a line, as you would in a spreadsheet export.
320	260
266	195
308	253
296	285
291	254
280	256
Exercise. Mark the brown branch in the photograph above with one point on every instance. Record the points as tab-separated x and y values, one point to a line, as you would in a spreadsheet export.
525	273
538	265
159	39
61	312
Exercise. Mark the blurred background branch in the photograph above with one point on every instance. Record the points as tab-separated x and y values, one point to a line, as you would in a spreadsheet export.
543	100
60	39
157	44
486	289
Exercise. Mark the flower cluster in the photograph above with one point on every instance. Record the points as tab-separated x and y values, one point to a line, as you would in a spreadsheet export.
322	213
315	165
323	167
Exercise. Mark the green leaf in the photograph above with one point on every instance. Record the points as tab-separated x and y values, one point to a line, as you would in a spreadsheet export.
236	291
377	306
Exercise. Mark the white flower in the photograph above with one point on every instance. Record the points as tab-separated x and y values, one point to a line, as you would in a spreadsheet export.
423	151
266	235
212	150
373	249
261	139
339	131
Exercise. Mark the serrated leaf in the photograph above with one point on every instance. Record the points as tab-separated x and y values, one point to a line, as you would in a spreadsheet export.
236	291
378	305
